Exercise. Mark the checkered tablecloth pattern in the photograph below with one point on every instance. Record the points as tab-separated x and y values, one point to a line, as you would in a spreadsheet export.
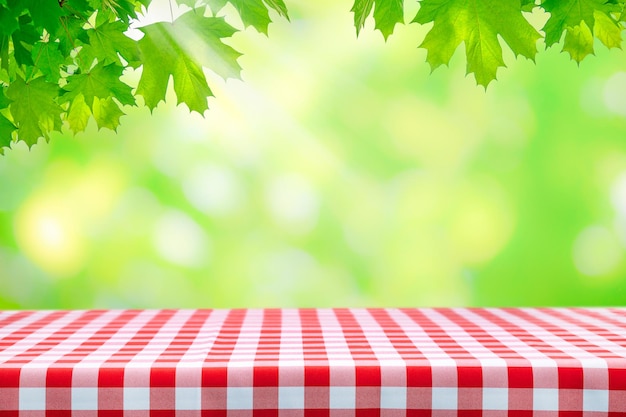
314	362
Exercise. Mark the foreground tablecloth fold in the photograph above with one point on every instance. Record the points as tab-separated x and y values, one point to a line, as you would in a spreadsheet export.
314	362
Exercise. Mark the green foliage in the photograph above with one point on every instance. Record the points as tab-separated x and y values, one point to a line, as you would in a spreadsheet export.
62	63
172	49
253	13
386	14
478	27
69	56
581	20
110	45
6	130
34	108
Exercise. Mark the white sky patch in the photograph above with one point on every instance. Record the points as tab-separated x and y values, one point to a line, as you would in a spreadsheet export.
180	240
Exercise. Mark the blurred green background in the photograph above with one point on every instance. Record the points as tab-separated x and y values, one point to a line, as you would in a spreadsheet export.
339	172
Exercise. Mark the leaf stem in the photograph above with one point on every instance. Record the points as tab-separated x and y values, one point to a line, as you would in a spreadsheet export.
35	64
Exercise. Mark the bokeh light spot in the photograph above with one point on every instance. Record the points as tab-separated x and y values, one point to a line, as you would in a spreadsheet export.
56	225
48	236
615	93
481	223
293	203
618	194
180	240
213	190
596	251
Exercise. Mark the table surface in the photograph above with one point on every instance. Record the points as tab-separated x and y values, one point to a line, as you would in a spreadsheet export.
561	362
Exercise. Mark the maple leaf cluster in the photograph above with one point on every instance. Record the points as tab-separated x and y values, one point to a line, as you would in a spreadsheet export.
483	26
62	61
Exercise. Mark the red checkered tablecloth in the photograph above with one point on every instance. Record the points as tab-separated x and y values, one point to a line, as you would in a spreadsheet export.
314	362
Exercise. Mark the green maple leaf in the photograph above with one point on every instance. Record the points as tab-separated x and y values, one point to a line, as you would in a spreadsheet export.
579	39
279	6
78	114
140	3
4	55
253	13
163	56
107	114
6	133
4	101
578	42
111	10
23	39
214	5
48	59
616	6
180	50
79	7
72	31
108	40
8	20
34	109
477	24
580	20
387	13
361	10
46	14
103	82
6	126
607	30
569	14
528	5
86	59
